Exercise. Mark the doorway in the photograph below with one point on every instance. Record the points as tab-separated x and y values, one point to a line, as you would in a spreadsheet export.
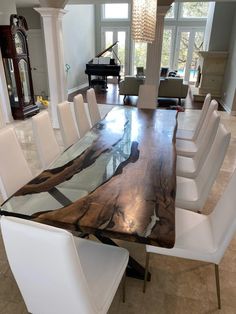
189	42
121	50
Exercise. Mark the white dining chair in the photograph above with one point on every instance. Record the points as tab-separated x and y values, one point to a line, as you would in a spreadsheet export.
67	124
190	148
203	237
14	169
190	167
192	193
94	112
81	115
58	273
46	143
193	134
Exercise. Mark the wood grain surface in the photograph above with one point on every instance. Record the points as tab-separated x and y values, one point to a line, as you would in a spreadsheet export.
137	203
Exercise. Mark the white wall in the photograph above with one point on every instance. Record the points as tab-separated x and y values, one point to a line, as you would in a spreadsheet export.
221	26
79	43
208	28
32	17
7	7
229	89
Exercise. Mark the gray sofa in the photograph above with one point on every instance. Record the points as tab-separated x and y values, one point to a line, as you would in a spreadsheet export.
170	87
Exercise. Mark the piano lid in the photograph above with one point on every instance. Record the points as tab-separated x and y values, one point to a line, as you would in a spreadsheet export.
107	49
110	48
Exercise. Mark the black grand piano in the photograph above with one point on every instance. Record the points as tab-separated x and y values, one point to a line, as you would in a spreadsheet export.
102	71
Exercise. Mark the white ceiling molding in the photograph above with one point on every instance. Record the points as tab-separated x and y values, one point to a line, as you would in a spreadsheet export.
60	4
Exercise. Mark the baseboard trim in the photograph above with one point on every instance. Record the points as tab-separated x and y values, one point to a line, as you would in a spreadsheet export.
74	89
232	113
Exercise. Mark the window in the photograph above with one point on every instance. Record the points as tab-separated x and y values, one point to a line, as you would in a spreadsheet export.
183	37
140	55
171	13
122	40
108	39
183	42
120	52
197	46
194	10
116	11
167	54
189	42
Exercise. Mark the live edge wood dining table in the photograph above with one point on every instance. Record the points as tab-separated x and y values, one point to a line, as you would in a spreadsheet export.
117	182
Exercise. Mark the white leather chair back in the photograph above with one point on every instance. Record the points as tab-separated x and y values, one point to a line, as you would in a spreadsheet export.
223	218
205	107
93	106
207	139
46	267
46	143
81	115
66	120
211	166
212	107
14	170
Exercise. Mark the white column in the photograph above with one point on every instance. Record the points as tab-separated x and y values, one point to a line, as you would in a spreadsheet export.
52	26
153	62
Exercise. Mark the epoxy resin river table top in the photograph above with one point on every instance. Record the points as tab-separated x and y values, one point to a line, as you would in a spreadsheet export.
118	181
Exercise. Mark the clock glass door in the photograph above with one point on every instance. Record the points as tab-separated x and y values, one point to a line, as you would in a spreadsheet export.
24	78
11	82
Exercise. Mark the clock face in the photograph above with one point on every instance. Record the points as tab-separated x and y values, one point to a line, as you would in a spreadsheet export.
19	42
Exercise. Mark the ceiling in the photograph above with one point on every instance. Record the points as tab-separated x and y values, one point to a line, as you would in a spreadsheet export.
27	3
34	3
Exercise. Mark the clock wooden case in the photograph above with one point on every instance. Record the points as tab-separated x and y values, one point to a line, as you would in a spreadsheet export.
16	61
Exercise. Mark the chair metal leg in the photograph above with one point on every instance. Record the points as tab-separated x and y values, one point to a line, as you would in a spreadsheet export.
218	285
124	284
146	272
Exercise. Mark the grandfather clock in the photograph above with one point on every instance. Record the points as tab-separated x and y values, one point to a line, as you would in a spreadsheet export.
15	55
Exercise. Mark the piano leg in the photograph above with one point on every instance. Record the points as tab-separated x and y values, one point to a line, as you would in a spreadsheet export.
105	81
89	79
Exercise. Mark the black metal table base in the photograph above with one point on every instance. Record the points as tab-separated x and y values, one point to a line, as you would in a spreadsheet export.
134	269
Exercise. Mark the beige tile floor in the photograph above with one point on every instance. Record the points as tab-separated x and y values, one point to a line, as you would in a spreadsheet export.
177	285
